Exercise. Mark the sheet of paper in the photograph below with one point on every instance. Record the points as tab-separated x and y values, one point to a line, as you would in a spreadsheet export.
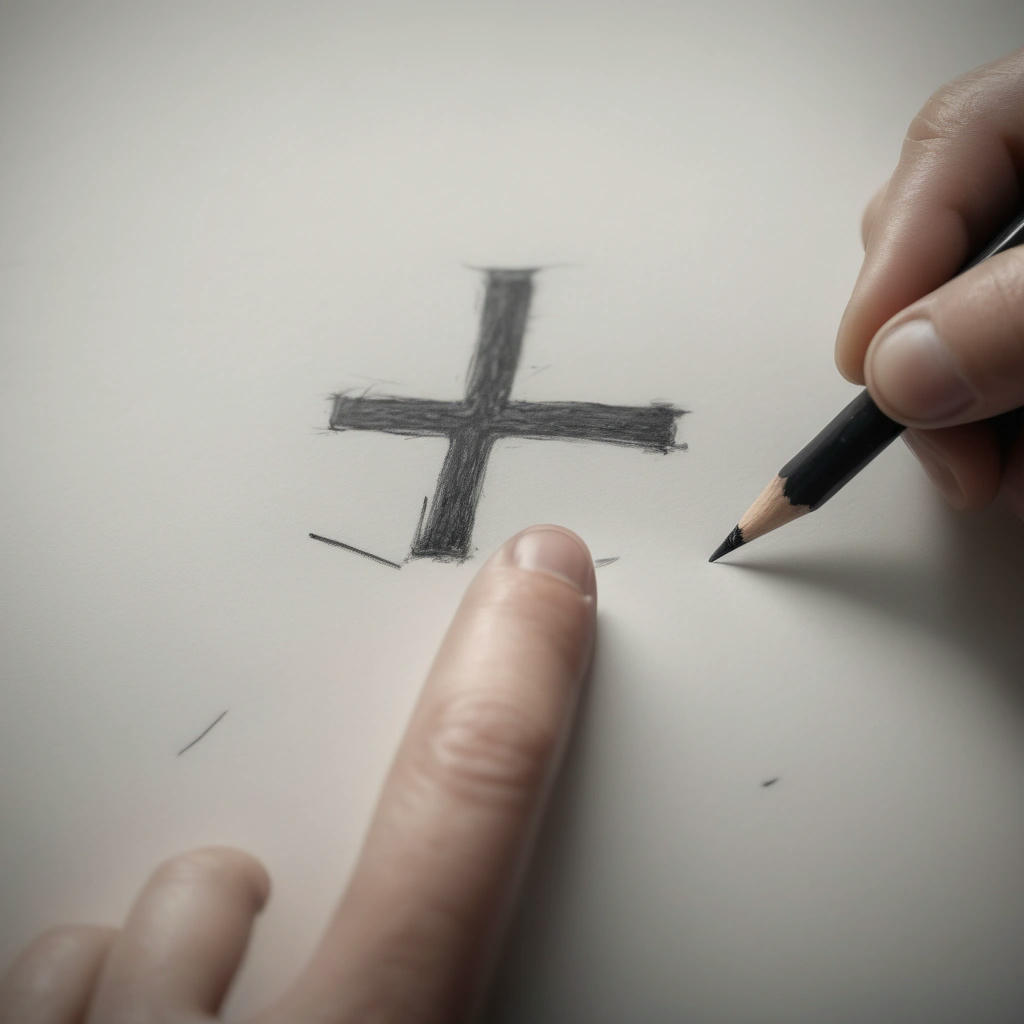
215	217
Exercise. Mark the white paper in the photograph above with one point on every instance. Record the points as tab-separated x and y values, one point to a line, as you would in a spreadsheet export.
216	216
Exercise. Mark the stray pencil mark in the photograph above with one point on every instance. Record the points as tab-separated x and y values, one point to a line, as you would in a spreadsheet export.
202	734
419	525
769	782
539	369
358	551
486	414
600	562
374	380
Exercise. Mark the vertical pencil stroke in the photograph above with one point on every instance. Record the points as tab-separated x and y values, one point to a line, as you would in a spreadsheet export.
449	527
500	341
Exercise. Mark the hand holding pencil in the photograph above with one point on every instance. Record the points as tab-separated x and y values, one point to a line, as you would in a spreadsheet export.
944	354
935	325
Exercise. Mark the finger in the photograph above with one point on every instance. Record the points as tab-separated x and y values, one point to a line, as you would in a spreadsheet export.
183	939
52	981
870	216
958	354
1013	477
963	462
412	935
957	180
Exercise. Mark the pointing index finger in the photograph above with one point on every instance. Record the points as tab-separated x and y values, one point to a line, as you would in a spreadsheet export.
412	936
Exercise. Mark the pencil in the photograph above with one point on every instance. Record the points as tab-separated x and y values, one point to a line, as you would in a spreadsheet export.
836	455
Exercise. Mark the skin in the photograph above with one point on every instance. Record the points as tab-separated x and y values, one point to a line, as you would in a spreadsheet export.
414	934
415	931
960	178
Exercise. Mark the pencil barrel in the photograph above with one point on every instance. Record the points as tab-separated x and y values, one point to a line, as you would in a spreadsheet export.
859	433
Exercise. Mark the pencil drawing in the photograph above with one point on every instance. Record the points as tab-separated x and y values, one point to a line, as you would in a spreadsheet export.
601	562
358	551
486	414
188	746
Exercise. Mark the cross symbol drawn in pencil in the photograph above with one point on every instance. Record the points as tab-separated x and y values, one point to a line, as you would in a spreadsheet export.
486	414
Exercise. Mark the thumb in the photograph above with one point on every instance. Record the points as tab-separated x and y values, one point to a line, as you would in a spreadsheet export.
957	355
957	181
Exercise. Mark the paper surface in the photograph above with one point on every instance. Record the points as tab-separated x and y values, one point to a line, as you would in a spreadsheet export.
216	216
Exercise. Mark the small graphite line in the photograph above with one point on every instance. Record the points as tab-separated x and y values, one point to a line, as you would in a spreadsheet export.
769	782
358	551
539	369
419	525
203	733
600	562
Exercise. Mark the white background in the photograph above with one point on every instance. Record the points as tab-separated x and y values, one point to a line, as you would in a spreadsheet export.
214	215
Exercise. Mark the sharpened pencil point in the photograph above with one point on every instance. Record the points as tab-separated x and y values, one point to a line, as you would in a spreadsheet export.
731	543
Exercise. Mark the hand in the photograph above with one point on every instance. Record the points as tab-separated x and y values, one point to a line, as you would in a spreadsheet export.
937	354
414	934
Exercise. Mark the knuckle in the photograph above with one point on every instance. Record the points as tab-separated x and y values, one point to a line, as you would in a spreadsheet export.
951	110
937	120
485	748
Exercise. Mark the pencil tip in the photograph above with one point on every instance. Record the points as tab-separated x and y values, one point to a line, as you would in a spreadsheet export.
731	543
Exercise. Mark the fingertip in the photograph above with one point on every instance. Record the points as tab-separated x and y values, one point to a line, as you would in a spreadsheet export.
554	551
184	936
218	866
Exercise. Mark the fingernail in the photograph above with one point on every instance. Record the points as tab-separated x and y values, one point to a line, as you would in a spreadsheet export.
915	374
935	466
557	553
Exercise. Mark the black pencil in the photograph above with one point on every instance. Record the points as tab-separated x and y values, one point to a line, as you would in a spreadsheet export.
859	433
